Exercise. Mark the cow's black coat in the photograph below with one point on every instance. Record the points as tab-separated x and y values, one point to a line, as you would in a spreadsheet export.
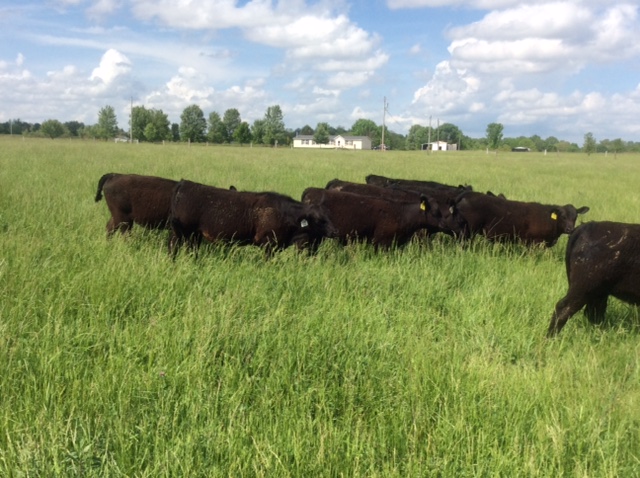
381	222
503	219
602	259
135	199
265	219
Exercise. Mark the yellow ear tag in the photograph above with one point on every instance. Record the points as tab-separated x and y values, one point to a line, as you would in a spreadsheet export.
423	206
554	216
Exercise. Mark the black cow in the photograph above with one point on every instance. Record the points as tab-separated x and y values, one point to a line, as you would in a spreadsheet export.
443	194
502	219
260	218
413	184
372	190
602	259
439	216
381	222
131	198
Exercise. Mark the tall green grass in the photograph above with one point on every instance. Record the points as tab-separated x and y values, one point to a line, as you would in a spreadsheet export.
425	361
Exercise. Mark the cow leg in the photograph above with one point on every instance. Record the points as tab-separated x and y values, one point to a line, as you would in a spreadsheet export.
111	227
124	227
596	309
565	308
173	244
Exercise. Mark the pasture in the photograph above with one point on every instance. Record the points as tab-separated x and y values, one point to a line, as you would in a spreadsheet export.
426	361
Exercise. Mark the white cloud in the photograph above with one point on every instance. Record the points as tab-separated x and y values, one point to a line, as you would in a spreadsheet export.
448	91
480	4
102	8
312	37
344	80
543	37
112	65
511	65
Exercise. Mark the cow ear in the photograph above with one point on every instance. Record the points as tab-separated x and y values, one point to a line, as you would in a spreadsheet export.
583	210
554	214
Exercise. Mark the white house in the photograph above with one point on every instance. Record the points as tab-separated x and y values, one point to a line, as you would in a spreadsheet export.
338	141
439	146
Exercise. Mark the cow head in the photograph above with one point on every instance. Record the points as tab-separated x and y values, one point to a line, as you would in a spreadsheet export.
430	206
566	217
313	225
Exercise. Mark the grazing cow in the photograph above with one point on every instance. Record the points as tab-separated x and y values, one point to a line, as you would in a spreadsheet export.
443	194
381	222
260	218
373	191
439	216
131	198
502	219
602	259
415	185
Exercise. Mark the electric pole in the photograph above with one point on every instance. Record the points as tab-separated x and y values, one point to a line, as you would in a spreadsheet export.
384	112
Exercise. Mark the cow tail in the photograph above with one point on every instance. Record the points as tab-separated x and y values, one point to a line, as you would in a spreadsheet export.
101	182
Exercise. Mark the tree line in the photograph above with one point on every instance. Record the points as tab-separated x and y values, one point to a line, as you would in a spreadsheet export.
153	125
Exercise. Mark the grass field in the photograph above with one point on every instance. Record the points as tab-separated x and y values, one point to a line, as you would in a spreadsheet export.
426	361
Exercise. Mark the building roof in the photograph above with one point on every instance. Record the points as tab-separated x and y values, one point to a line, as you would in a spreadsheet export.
331	138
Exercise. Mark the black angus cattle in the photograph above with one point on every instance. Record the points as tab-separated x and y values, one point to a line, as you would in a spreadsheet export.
381	222
602	259
135	199
439	217
265	219
502	219
412	184
372	190
443	194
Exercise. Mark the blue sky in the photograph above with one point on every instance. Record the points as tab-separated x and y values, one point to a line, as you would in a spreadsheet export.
551	68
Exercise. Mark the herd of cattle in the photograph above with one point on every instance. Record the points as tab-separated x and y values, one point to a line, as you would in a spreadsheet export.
602	258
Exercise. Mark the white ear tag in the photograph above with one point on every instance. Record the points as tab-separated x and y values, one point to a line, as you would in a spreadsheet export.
304	223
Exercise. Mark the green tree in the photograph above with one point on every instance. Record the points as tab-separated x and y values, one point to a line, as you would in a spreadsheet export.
274	131
73	127
450	133
306	130
140	118
150	132
157	127
395	140
321	136
175	132
417	136
258	130
217	132
107	123
231	120
494	135
149	125
365	127
242	133
192	124
550	144
589	145
52	128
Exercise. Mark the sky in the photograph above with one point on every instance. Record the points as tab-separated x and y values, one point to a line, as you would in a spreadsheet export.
559	68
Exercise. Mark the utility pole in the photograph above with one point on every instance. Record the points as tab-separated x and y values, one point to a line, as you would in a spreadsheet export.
429	146
384	112
131	122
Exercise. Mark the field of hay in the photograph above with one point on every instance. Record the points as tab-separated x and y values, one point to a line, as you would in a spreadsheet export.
430	360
